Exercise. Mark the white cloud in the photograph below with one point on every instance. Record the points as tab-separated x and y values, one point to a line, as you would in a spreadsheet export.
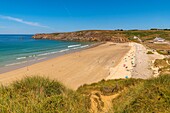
22	21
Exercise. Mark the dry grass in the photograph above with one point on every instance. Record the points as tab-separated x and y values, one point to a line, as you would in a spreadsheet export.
158	46
150	96
37	94
145	35
40	95
163	65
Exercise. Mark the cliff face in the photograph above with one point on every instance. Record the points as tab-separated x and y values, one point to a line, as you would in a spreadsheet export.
85	36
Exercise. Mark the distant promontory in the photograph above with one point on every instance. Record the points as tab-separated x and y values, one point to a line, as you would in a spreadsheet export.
88	35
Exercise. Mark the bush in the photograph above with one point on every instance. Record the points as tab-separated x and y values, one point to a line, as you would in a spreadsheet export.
150	52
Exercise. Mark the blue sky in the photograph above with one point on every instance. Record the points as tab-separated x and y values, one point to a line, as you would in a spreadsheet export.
38	16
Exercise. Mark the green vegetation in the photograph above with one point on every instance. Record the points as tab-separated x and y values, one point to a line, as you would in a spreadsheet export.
40	95
163	65
163	52
118	36
150	96
148	34
109	87
147	37
150	52
37	94
144	35
163	49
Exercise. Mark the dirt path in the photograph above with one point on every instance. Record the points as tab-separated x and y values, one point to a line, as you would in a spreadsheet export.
143	68
101	103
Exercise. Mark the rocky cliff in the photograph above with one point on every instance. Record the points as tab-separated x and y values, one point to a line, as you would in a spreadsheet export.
91	35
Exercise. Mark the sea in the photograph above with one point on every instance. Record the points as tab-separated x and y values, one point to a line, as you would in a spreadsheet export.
23	49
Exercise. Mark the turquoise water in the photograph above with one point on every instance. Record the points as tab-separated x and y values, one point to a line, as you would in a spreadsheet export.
18	49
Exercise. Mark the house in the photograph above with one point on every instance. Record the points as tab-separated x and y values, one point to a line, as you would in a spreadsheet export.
158	39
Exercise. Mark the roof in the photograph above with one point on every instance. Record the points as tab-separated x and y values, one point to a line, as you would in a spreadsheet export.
158	38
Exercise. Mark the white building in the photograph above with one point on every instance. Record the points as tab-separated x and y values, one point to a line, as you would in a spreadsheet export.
158	39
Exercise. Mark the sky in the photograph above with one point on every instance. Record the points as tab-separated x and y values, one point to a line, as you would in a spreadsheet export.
47	16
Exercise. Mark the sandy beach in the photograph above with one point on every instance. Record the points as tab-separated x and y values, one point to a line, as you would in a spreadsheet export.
135	64
125	67
75	69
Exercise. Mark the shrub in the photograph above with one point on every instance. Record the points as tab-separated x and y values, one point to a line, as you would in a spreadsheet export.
150	52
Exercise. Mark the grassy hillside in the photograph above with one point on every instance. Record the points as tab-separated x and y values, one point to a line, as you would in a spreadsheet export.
149	96
106	35
148	34
38	94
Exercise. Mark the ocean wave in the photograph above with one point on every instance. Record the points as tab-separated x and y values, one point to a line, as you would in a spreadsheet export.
71	46
84	46
54	52
12	64
25	57
32	56
64	50
49	53
41	58
81	47
20	58
44	54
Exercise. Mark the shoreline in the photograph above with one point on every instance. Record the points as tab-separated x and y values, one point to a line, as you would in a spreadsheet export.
6	69
74	69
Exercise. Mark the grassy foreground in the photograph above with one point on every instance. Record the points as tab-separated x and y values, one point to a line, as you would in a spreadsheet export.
41	95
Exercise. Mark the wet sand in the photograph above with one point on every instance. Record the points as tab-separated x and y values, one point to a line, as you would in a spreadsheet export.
74	69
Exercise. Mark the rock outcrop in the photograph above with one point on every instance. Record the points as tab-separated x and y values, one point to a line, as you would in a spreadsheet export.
91	35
